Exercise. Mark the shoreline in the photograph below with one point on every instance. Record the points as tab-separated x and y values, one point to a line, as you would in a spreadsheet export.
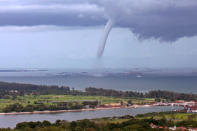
74	110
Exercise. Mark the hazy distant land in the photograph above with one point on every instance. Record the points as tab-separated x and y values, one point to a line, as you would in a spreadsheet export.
142	80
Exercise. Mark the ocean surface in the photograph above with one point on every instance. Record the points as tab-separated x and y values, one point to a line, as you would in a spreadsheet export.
185	84
12	120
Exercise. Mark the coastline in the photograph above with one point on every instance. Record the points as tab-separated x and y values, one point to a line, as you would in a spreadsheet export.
75	110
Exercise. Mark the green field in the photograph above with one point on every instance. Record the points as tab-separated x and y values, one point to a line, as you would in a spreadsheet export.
49	99
185	119
171	116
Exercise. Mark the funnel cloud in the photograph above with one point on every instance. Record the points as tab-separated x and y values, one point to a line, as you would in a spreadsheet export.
104	37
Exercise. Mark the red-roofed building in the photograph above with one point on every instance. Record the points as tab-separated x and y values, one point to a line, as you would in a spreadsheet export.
192	109
182	128
153	126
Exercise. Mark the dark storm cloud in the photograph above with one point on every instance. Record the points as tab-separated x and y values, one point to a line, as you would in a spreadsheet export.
54	12
54	18
166	20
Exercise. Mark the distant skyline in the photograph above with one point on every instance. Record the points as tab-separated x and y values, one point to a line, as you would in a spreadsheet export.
65	34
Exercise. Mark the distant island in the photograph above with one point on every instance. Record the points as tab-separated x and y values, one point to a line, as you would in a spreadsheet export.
21	70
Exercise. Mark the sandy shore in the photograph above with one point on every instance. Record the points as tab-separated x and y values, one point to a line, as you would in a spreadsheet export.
77	110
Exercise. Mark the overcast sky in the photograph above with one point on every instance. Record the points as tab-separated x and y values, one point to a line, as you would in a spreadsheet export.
66	33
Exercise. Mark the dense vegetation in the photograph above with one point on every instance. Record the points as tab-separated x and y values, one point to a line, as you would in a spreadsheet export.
171	96
172	119
130	124
16	89
16	107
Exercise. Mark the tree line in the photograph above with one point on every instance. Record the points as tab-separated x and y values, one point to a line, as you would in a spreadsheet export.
84	125
13	90
17	107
